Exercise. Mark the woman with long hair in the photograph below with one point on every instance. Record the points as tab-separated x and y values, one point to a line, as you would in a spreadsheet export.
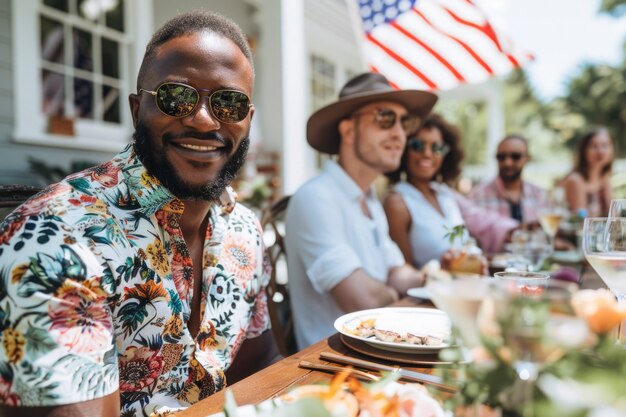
588	186
423	206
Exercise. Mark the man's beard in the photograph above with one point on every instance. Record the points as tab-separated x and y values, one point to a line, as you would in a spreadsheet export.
160	167
377	164
511	177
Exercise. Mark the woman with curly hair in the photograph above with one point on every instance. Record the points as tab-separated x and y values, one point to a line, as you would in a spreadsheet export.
588	186
423	206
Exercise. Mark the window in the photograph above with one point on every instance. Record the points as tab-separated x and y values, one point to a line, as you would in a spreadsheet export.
323	80
74	65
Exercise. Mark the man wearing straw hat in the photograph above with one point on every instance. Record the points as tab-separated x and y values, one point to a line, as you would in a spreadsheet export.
340	256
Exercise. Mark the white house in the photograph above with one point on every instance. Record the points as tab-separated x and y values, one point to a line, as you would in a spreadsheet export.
67	67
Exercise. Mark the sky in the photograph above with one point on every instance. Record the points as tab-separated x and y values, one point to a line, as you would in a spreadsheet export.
562	35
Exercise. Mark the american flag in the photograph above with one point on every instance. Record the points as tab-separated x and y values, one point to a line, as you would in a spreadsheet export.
434	44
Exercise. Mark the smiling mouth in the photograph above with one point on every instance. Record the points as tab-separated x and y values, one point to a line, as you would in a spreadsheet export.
200	148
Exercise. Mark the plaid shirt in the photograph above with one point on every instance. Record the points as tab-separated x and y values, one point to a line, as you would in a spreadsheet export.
492	195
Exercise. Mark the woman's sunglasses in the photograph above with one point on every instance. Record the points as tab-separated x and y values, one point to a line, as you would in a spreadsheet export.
180	100
418	145
386	119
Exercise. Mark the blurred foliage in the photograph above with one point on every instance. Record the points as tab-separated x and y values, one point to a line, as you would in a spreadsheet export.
595	95
616	8
471	120
52	173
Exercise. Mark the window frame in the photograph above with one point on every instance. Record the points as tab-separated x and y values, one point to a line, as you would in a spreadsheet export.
30	123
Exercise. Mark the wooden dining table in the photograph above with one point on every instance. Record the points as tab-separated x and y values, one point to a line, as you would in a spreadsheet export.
285	374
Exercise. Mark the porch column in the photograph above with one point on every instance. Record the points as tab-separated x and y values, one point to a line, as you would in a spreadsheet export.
284	90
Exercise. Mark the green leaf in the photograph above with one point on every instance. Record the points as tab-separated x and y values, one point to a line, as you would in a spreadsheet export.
132	314
454	233
38	341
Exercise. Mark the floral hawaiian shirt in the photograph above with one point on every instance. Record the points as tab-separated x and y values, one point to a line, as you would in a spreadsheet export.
95	293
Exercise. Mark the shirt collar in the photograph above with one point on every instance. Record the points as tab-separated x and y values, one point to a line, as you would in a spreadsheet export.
346	183
151	194
146	189
502	191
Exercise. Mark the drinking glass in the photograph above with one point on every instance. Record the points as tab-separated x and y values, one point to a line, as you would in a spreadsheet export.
550	219
604	246
532	246
461	299
536	327
526	282
618	208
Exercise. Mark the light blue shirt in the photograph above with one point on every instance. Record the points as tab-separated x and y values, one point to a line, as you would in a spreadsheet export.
327	238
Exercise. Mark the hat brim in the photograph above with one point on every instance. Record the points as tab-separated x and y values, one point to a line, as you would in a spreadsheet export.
322	128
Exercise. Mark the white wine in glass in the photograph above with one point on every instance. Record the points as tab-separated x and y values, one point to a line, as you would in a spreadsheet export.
604	246
550	222
460	299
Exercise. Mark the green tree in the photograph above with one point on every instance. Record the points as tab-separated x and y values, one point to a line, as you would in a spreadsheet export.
595	96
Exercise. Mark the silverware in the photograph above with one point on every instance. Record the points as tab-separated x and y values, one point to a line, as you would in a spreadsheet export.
404	373
335	369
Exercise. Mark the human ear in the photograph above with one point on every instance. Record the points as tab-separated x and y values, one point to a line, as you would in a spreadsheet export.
346	130
133	101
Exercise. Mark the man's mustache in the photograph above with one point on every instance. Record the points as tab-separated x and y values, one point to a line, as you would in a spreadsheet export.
197	135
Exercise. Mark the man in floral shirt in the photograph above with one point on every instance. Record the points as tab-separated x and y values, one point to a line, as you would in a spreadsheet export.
138	285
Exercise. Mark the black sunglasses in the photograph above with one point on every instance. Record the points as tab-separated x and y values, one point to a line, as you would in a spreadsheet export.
386	119
515	156
418	145
180	100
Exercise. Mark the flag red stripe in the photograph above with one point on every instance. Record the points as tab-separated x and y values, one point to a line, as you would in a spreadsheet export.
402	61
434	53
465	46
373	68
486	29
443	44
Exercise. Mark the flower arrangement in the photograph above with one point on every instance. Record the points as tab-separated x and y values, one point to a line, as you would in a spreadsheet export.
585	379
344	396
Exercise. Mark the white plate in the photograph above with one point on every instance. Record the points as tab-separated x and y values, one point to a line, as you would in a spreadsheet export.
419	292
570	256
399	319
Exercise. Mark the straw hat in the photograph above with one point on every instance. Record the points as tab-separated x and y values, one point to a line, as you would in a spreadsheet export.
322	128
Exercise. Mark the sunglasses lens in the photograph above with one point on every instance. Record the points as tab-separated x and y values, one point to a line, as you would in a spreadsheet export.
440	148
410	123
514	156
416	145
230	106
176	100
386	119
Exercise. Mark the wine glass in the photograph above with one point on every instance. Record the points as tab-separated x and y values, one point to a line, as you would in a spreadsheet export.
461	299
550	219
617	208
531	246
535	327
604	246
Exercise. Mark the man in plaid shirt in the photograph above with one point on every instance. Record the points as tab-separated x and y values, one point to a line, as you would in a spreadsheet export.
508	194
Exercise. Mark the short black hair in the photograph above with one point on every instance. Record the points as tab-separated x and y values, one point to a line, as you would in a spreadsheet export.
515	136
189	23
